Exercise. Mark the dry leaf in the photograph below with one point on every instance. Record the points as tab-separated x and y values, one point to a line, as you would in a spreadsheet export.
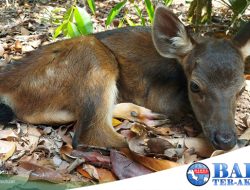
7	149
138	129
57	161
137	144
1	50
8	134
246	134
91	170
105	175
83	172
18	46
123	167
189	156
33	136
93	157
151	163
124	125
42	173
200	145
158	145
162	130
65	152
116	122
35	43
24	31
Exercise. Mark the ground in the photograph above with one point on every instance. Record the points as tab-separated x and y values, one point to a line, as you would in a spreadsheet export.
29	152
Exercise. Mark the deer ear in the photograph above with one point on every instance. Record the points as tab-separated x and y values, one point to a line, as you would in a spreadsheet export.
242	40
169	34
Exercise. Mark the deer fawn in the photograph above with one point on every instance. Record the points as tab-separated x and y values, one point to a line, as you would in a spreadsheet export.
166	70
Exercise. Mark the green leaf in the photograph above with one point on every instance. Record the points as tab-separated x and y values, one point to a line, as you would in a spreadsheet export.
238	5
68	15
130	22
139	13
72	30
83	21
91	4
121	23
59	29
168	2
114	12
150	9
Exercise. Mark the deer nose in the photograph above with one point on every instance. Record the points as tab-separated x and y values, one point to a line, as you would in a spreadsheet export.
225	140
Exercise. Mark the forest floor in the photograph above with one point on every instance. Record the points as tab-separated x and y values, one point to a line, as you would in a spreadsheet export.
45	154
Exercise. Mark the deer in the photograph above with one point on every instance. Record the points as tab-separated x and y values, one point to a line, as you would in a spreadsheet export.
146	73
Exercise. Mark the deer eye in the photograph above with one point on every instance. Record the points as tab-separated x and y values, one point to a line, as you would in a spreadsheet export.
194	87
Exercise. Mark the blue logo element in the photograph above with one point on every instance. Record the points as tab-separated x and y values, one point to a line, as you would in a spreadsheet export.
198	174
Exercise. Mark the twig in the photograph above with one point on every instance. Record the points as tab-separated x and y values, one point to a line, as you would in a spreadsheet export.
75	164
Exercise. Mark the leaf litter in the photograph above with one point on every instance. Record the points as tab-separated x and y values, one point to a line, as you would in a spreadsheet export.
45	153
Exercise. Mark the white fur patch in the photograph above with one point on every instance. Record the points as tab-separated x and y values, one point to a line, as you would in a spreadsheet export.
50	117
50	72
245	50
182	41
112	100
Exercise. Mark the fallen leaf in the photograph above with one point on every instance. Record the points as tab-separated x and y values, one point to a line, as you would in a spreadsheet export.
8	134
200	145
138	129
91	170
162	130
1	50
246	120
124	125
24	31
18	46
65	152
33	136
151	163
93	157
246	134
137	144
62	133
174	153
116	122
128	134
123	167
42	173
189	156
35	43
7	149
83	172
105	175
158	145
57	161
176	142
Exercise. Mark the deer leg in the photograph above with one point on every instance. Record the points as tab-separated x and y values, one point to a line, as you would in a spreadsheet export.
139	114
94	126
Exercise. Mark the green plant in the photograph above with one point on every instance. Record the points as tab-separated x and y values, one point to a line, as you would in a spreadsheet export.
91	4
115	11
168	2
76	22
118	7
238	7
150	9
